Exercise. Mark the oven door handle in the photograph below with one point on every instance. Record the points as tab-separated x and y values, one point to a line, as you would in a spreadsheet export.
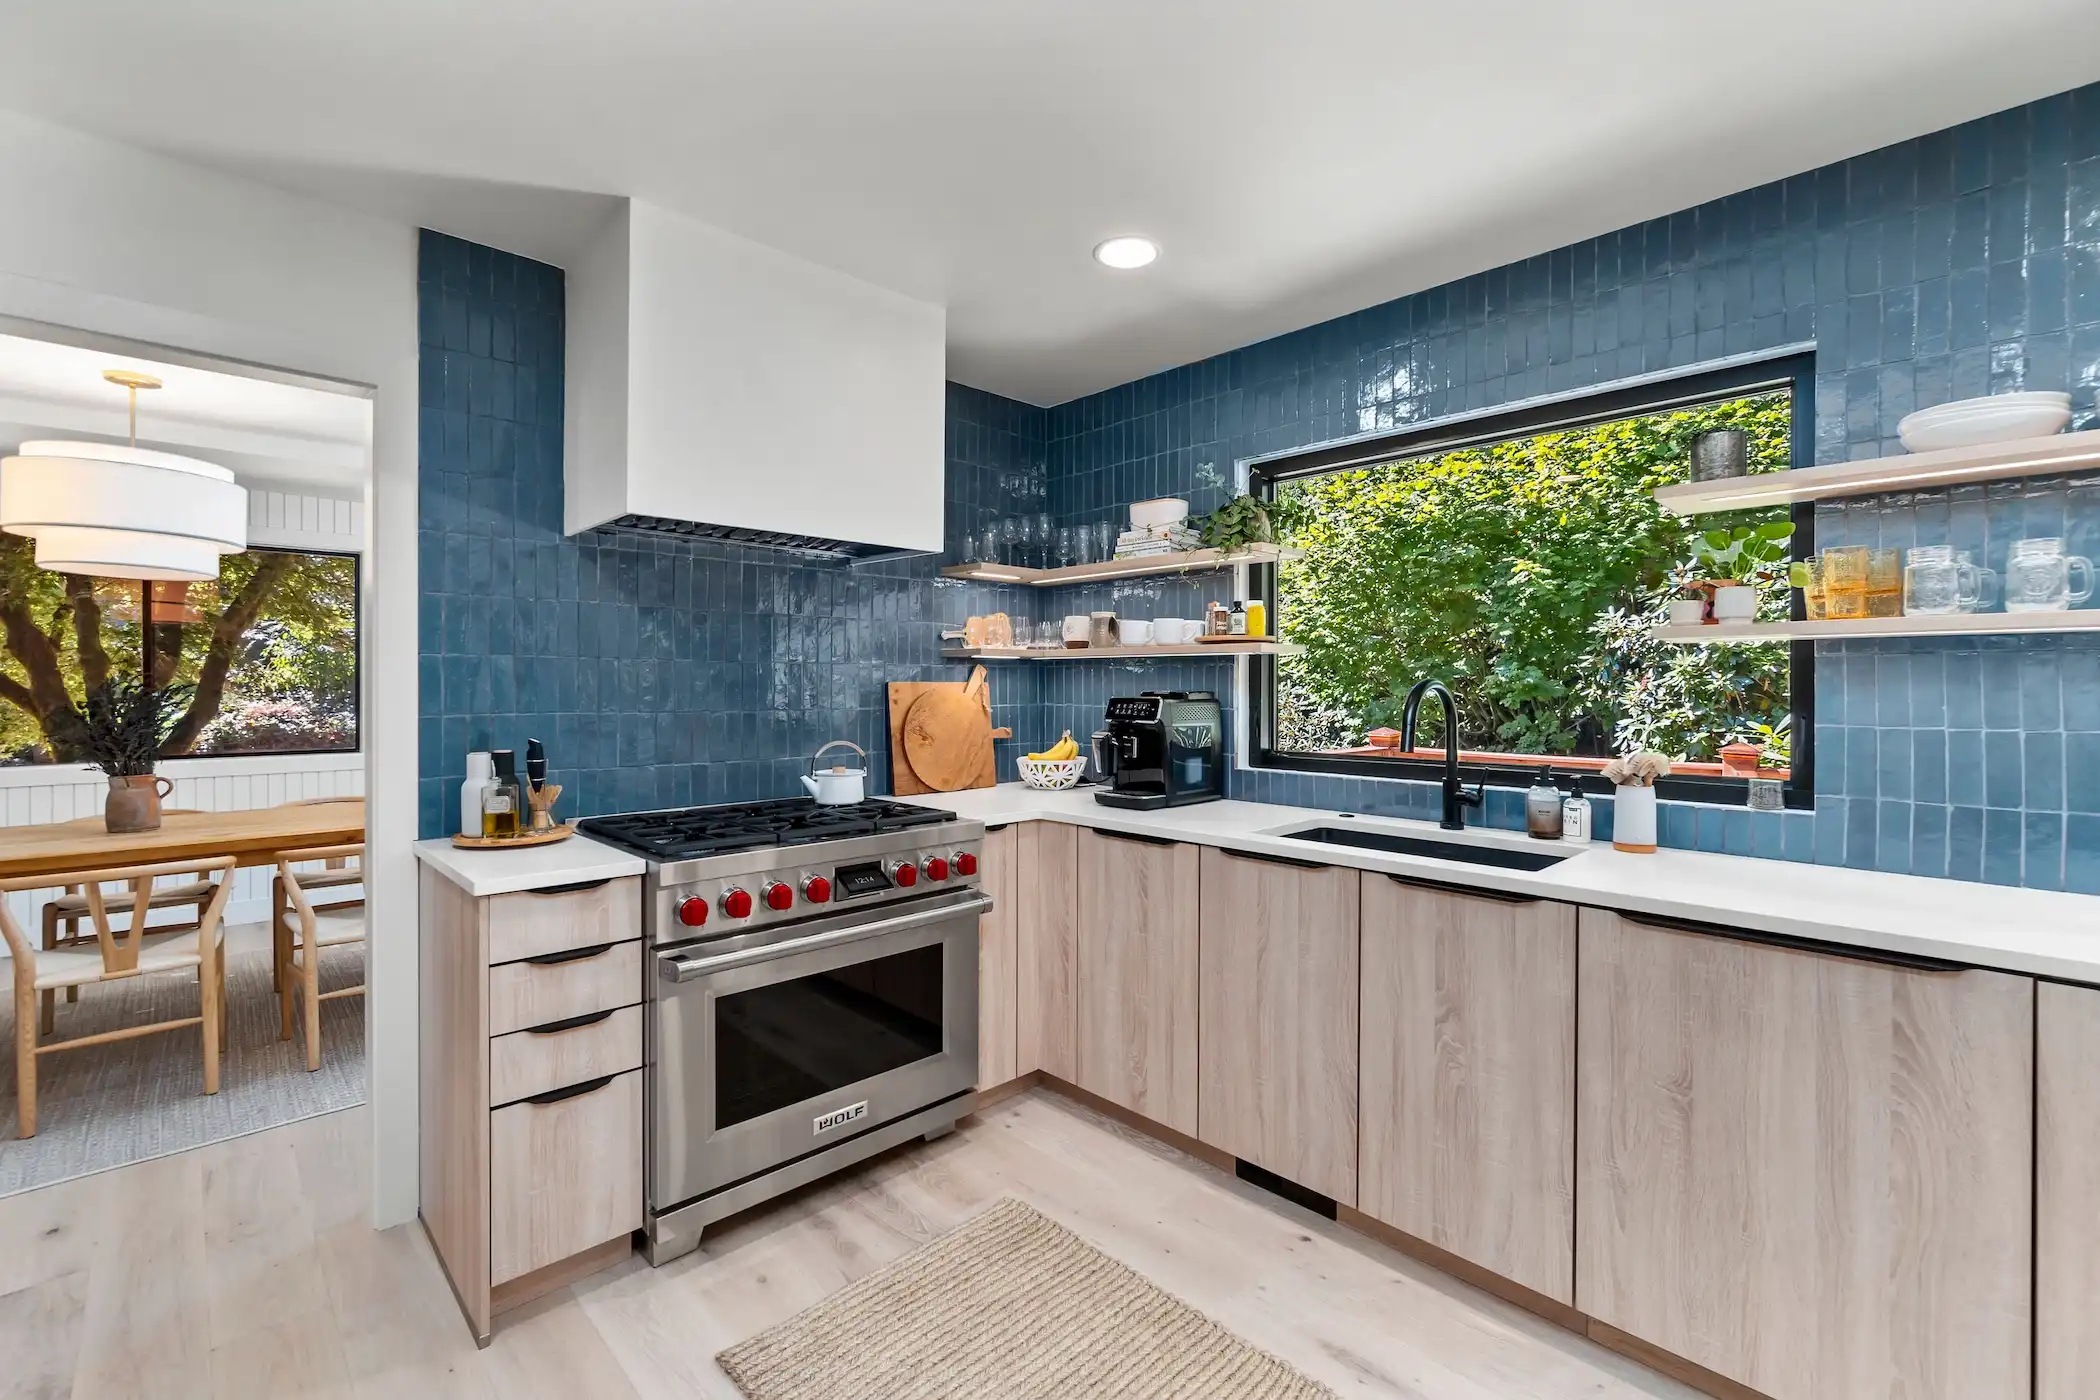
686	969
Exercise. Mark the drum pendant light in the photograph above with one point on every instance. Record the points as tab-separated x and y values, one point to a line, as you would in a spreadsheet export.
123	512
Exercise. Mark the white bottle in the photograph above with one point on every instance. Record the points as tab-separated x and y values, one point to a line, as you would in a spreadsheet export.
1575	817
480	768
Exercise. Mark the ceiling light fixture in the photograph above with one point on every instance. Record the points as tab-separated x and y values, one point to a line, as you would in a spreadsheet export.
123	512
1126	253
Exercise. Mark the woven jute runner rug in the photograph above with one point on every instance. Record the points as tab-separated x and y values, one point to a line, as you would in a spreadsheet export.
1010	1306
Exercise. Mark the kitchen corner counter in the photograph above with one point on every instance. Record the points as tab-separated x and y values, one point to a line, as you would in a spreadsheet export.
2038	932
486	872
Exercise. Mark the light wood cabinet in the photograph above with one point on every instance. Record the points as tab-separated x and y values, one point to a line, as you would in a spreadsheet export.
1812	1174
1137	975
2067	1193
1047	918
999	959
1277	997
1468	1121
531	1111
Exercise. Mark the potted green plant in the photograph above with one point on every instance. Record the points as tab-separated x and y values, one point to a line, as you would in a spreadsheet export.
1246	520
1735	559
124	722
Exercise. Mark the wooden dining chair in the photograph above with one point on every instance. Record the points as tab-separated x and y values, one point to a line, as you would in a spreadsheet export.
280	934
304	928
64	915
118	954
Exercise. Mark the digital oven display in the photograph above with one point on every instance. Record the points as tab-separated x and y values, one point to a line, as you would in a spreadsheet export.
856	880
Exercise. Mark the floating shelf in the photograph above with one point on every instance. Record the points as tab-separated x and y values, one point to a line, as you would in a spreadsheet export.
1192	561
1937	625
1212	650
1911	471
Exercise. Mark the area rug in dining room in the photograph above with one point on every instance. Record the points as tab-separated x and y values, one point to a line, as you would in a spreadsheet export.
1010	1306
106	1105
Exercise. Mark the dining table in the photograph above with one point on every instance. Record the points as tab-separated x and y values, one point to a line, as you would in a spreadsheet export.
252	837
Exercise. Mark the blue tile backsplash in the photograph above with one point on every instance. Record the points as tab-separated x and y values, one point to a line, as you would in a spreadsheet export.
1960	263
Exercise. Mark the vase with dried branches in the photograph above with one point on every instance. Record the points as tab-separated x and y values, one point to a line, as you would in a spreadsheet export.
1633	803
124	725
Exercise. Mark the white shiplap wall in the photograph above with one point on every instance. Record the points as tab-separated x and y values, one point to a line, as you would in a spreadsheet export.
32	796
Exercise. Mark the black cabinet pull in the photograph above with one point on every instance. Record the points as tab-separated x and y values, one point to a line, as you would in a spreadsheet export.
568	955
1474	891
1133	836
589	1086
571	1024
999	827
1910	962
577	888
1266	859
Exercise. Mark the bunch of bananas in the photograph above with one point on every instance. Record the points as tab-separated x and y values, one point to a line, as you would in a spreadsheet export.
1061	751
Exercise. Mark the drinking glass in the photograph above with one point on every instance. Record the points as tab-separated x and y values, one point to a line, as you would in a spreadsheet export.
1008	531
1845	583
1885	583
1986	584
2038	576
1936	581
1050	634
1067	547
1045	531
1105	539
1812	591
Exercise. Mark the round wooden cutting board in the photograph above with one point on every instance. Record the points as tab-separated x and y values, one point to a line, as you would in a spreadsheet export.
947	735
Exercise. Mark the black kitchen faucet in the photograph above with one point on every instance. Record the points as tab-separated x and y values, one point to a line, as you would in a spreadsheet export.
1456	798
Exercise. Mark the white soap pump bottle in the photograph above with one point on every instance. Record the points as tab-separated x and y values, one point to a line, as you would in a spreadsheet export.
480	768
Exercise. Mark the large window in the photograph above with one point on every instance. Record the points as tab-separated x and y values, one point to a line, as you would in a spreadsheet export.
1523	561
271	648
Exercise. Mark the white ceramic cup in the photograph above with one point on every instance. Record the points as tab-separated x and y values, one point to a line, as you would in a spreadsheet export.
1134	632
1076	627
1172	631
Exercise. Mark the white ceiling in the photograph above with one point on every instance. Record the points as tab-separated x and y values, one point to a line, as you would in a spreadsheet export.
1295	160
265	432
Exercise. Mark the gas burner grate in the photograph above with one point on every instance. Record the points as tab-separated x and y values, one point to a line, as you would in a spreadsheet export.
683	834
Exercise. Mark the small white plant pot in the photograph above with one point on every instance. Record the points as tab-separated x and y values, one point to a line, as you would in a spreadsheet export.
1633	819
1687	612
1735	605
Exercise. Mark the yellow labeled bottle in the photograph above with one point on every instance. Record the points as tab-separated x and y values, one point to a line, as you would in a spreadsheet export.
1257	618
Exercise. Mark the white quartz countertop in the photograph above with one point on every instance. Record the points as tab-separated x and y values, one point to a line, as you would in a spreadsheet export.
486	872
2033	931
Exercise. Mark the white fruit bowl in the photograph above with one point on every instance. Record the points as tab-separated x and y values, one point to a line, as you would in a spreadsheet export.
1051	774
1975	422
1167	510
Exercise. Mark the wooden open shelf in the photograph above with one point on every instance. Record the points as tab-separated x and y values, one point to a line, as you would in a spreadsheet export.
1212	650
1995	624
1191	561
1910	471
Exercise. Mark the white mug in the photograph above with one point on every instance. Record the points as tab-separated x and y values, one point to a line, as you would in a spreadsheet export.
1173	631
1077	627
1134	632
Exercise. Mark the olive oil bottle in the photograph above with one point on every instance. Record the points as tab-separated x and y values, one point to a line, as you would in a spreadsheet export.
502	798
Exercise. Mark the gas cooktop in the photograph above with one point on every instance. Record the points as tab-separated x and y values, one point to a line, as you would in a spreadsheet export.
683	833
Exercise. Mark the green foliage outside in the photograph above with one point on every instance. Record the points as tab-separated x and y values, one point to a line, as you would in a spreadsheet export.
1526	575
273	654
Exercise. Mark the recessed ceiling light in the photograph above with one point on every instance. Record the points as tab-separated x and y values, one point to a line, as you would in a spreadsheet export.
1126	253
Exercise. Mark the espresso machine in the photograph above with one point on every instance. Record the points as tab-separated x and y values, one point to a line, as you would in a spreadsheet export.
1161	749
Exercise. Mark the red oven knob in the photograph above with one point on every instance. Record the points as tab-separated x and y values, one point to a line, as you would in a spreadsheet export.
736	904
965	863
692	912
937	868
905	874
817	890
779	896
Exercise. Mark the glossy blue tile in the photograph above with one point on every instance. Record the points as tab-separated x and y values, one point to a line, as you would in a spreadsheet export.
2082	854
2002	831
2002	769
1965	843
1928	839
2042	851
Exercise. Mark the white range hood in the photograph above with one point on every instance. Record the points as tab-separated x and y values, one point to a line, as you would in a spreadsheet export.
720	389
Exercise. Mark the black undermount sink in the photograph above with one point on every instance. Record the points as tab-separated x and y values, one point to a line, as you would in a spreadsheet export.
1371	840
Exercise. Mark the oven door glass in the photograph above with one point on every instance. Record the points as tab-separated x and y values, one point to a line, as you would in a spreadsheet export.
789	1042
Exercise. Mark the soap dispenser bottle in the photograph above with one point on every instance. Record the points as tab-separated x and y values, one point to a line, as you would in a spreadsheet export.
1576	817
1542	808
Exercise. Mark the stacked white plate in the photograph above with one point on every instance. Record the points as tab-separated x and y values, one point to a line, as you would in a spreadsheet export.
1974	422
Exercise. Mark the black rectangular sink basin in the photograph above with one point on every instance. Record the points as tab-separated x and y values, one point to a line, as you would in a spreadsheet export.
1365	838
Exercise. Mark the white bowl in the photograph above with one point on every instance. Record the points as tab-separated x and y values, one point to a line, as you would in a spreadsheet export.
1974	422
1050	774
1167	510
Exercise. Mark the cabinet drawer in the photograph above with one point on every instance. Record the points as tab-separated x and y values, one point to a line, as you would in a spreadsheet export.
534	1061
532	922
525	994
564	1176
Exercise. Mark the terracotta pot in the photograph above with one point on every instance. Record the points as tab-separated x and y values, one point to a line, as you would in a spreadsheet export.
133	803
1740	760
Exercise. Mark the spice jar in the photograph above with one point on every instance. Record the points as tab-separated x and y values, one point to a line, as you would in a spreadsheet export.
1217	621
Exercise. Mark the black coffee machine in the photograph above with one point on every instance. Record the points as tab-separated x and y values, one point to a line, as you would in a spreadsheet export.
1161	749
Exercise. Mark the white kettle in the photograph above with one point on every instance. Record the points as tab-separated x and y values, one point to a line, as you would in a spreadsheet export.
838	786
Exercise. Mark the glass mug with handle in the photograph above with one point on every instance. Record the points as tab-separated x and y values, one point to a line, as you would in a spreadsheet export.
1936	580
1986	583
2038	576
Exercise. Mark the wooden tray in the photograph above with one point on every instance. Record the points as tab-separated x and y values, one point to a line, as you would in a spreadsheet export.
530	838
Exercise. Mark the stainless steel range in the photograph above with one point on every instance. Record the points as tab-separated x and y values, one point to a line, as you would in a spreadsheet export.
812	994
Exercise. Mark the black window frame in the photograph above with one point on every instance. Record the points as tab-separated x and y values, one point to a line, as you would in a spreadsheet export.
1793	370
357	657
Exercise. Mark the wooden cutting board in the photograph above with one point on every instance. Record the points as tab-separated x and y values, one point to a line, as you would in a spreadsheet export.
941	736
